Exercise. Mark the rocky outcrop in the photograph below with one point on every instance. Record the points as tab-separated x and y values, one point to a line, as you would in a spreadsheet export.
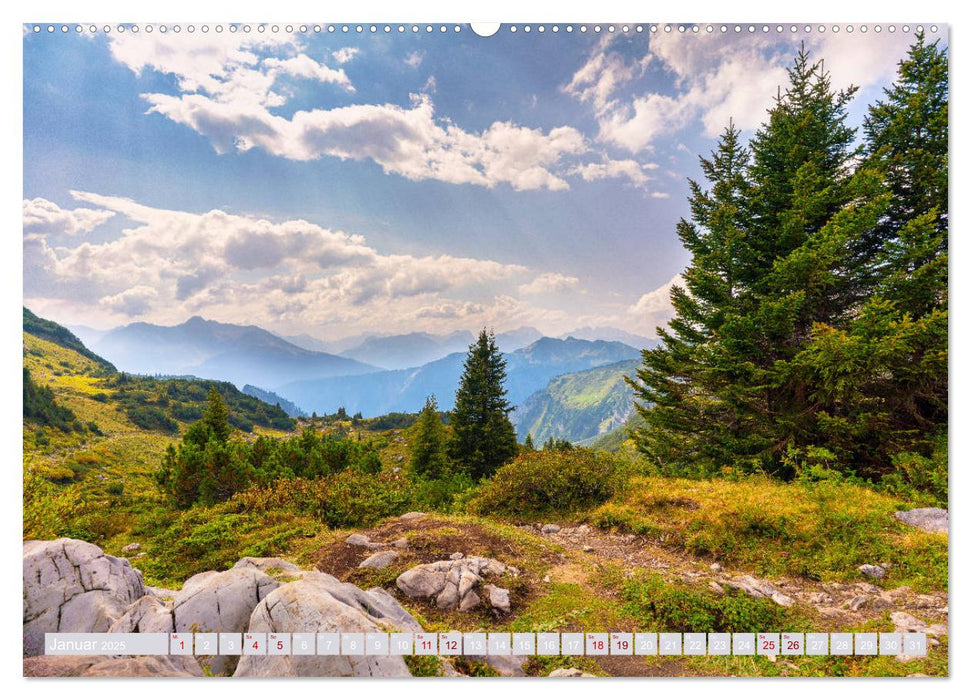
926	519
73	586
452	583
570	673
319	602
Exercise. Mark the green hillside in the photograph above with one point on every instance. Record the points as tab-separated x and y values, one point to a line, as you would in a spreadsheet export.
579	406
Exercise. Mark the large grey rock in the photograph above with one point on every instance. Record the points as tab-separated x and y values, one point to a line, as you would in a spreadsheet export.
112	666
73	586
319	602
147	614
451	583
926	519
570	673
498	597
872	570
358	540
905	622
220	601
379	560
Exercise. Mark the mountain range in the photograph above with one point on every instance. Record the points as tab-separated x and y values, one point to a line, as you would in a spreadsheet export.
410	349
528	370
238	354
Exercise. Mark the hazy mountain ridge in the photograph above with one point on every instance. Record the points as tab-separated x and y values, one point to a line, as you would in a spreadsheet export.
239	354
528	370
578	406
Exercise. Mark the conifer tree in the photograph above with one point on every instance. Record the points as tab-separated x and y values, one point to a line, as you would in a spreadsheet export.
528	443
684	415
482	438
428	449
216	416
883	377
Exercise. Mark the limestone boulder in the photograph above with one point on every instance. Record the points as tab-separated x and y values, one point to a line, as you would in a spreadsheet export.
319	602
73	586
926	519
147	614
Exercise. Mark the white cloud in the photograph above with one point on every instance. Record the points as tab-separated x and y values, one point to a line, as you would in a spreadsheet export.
411	142
608	169
45	218
550	283
654	308
228	91
166	265
414	59
716	78
345	54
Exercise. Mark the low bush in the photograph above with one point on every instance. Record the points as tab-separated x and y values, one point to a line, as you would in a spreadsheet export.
666	607
546	482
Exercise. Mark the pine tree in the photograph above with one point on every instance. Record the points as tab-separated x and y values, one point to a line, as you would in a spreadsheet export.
216	416
428	448
483	438
528	443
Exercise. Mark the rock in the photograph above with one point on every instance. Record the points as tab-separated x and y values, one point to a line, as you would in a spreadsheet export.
546	579
550	529
133	547
220	602
926	601
716	567
358	540
73	586
108	666
759	589
857	603
570	673
147	614
265	564
867	588
872	570
716	587
400	543
450	582
821	598
926	519
161	593
456	555
411	516
380	560
319	602
905	622
587	548
506	666
498	597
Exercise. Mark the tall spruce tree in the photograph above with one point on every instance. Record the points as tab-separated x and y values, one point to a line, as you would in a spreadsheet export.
687	422
482	438
724	387
883	377
428	448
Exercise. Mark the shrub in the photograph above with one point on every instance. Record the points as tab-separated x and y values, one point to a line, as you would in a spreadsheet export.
151	418
658	605
537	483
347	499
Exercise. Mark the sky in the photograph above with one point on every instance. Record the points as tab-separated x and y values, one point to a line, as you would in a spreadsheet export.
337	184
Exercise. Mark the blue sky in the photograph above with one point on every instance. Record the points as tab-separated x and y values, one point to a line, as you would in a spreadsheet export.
336	184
